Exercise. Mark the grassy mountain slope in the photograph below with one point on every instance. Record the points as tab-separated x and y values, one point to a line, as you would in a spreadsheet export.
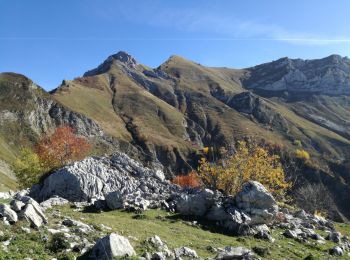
169	112
172	229
172	111
27	112
183	105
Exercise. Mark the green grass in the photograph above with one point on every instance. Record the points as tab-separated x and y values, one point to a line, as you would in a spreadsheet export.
7	183
169	227
177	232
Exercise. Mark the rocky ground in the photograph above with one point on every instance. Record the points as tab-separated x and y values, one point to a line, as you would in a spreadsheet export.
102	208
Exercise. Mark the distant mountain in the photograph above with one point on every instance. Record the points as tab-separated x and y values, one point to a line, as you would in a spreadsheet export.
180	106
330	76
170	112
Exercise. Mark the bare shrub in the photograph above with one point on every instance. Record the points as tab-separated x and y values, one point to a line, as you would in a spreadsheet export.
315	198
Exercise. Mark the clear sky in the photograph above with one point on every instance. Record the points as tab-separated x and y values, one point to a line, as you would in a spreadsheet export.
53	40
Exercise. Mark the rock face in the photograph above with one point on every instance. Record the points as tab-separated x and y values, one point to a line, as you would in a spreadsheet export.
112	246
96	177
257	108
257	202
37	111
330	75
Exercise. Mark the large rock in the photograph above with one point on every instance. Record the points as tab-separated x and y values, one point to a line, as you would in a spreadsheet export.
30	214
38	209
196	203
257	202
8	213
114	200
95	177
112	246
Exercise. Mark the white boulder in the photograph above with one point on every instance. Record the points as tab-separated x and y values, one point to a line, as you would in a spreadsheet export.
112	246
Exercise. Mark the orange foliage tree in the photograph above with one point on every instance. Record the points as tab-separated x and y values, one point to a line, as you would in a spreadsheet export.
62	147
190	180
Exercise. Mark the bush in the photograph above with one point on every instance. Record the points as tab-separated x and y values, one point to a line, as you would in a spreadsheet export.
302	154
249	162
66	256
28	168
297	143
190	180
58	243
315	199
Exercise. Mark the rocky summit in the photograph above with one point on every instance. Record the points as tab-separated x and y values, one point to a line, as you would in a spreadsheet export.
329	76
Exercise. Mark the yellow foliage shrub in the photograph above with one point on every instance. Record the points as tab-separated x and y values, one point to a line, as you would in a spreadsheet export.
297	143
250	162
302	154
205	150
28	168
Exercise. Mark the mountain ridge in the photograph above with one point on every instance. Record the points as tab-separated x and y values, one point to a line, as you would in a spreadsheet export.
169	113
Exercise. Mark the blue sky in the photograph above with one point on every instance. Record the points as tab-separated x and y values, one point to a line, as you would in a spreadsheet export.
53	40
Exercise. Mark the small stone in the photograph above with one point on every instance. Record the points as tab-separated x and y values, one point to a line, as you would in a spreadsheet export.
185	252
235	253
336	251
290	234
17	205
261	251
158	256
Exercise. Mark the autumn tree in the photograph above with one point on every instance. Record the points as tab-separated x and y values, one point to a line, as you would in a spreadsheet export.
28	168
62	147
249	162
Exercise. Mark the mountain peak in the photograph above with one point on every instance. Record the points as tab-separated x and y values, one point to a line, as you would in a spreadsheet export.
124	57
334	58
120	57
